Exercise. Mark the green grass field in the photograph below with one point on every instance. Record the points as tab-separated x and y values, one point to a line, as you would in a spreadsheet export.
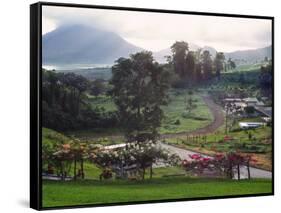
176	111
93	172
101	192
244	77
247	67
175	120
102	101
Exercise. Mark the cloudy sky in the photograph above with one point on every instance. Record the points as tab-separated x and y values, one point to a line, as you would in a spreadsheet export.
157	31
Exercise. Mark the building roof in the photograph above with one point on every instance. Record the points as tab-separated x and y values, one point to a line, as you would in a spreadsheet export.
264	98
115	146
265	110
232	99
250	124
260	103
240	104
254	100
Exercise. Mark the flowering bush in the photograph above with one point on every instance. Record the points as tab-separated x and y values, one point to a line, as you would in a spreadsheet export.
221	164
198	164
130	159
134	155
227	138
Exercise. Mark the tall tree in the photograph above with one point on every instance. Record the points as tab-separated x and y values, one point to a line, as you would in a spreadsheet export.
78	84
97	87
231	64
207	64
191	66
198	65
265	80
179	50
139	90
190	105
219	63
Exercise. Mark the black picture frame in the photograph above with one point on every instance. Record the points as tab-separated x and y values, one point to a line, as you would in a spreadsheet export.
36	97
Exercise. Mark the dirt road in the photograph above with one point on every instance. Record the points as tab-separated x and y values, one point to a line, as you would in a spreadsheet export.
218	121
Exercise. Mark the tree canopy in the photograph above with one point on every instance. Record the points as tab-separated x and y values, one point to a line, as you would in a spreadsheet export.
139	90
65	103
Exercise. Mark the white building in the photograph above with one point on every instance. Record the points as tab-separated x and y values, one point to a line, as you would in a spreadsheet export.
250	125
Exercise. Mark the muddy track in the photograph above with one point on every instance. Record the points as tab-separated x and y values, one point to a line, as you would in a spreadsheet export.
218	120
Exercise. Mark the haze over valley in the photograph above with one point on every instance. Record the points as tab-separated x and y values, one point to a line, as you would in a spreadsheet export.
80	46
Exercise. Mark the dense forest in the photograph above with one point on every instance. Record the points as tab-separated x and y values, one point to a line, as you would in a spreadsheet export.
65	103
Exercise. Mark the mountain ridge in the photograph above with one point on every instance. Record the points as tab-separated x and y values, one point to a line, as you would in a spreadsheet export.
81	44
84	44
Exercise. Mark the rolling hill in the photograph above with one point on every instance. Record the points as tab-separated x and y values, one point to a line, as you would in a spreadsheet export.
252	55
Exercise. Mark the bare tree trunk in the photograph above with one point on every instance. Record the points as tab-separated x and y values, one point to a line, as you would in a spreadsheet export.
230	171
78	103
143	173
238	171
151	171
226	119
62	171
75	175
82	168
248	168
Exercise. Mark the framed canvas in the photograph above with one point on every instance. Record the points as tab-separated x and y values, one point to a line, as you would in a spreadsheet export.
133	105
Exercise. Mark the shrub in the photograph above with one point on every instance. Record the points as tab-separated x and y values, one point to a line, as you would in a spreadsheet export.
106	174
177	122
220	164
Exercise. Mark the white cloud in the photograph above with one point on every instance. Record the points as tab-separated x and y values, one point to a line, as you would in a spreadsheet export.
157	31
48	24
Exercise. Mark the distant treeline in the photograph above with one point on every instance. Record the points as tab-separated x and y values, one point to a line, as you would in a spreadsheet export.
65	104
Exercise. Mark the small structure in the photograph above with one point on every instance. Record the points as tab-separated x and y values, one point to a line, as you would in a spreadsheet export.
250	125
115	146
240	104
266	119
46	176
264	98
250	101
232	100
260	104
265	111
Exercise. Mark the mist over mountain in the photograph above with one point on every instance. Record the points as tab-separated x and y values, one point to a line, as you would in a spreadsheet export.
79	44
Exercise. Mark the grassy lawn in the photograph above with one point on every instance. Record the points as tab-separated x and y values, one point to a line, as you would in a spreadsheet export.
175	112
248	67
103	101
93	172
244	77
175	119
57	193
